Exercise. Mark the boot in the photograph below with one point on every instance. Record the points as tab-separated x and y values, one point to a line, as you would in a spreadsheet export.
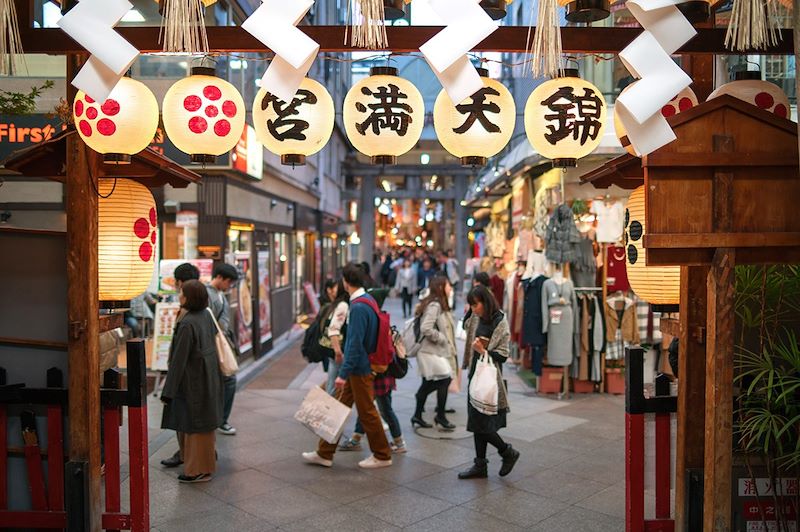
419	422
479	469
510	457
443	423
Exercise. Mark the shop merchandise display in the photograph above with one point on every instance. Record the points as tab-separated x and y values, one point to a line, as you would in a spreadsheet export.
526	238
617	274
546	199
610	220
533	334
622	327
583	266
559	319
592	339
562	235
496	239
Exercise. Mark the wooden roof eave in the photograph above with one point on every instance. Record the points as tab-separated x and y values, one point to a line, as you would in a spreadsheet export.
47	159
624	171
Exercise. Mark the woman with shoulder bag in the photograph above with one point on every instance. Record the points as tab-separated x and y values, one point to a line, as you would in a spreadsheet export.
437	353
334	329
193	389
487	336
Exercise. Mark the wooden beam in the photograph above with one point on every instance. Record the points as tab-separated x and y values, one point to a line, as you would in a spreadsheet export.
715	240
704	257
691	386
83	313
706	160
401	40
719	393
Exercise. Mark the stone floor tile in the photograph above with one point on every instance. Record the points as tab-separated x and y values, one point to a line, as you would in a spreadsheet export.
589	466
181	500
574	519
516	506
610	501
348	486
463	520
405	470
242	485
401	506
441	453
348	519
540	425
286	505
560	486
215	521
447	486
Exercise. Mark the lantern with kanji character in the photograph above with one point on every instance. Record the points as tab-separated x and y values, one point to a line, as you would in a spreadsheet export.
565	118
384	115
297	129
480	126
749	87
658	285
127	239
203	115
685	100
121	126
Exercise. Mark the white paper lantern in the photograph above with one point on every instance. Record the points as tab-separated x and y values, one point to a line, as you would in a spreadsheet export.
658	285
296	130
384	115
685	100
749	87
565	118
123	125
480	126
203	115
128	238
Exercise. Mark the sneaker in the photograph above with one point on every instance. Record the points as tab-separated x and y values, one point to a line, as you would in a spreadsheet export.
202	477
350	444
172	461
227	429
398	447
314	458
374	463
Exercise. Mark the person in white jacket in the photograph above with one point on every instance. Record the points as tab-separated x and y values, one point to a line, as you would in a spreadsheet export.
406	286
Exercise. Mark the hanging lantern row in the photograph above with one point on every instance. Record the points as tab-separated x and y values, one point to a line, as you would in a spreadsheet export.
384	115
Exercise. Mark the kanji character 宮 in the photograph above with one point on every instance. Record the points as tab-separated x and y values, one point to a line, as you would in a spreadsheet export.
296	127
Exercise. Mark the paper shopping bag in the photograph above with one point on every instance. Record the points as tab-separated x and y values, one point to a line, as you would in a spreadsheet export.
323	415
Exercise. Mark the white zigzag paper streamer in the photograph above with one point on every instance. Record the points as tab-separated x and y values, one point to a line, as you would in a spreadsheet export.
660	79
467	25
274	24
91	23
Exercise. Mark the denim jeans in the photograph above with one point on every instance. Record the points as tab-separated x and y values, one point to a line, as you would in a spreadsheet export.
333	372
388	415
229	391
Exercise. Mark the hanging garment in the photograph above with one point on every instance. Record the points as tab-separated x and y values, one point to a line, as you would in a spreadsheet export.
541	212
497	286
581	370
560	320
622	329
526	243
562	235
610	221
617	277
584	266
518	310
597	338
532	326
496	240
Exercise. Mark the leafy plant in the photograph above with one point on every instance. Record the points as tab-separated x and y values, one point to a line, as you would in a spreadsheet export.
22	103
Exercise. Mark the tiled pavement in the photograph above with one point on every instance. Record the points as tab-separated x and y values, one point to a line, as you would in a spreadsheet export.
570	476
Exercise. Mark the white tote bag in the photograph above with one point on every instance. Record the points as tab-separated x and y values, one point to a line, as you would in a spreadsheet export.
324	415
483	391
227	360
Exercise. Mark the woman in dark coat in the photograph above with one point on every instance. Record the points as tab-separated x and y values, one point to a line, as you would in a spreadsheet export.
193	388
487	333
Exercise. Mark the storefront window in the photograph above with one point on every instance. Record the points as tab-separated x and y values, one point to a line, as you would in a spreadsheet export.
280	260
300	272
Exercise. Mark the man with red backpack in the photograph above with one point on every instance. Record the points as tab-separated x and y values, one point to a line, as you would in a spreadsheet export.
368	350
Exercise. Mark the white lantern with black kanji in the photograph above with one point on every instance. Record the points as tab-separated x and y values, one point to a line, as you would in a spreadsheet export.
121	126
298	129
480	126
749	87
565	118
127	239
685	100
203	115
384	115
658	285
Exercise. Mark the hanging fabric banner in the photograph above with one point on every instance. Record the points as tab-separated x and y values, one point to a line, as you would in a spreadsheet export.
91	23
659	77
274	24
467	25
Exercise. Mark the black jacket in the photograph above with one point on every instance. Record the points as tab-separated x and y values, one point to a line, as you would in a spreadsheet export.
532	316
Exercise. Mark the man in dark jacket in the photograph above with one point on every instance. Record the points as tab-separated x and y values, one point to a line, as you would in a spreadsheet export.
355	380
225	276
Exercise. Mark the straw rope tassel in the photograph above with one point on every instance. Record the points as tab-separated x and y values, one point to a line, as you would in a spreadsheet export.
546	49
10	42
370	30
183	27
754	25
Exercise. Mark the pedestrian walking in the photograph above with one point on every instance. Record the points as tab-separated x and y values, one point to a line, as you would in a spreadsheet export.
334	330
487	333
224	277
406	286
192	392
437	357
355	379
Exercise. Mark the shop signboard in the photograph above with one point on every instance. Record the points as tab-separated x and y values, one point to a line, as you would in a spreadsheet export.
248	155
264	302
187	219
166	316
166	271
242	302
17	132
312	297
763	502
